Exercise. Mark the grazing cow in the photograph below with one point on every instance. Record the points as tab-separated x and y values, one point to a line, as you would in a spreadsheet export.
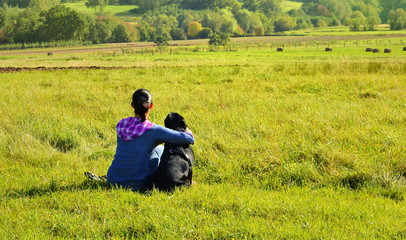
404	48
387	50
329	49
279	49
369	49
376	50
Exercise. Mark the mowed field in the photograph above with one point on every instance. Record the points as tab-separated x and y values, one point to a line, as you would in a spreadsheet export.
299	144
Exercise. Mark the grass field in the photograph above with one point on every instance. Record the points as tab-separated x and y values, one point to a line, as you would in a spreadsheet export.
289	5
124	10
300	144
382	29
119	10
242	50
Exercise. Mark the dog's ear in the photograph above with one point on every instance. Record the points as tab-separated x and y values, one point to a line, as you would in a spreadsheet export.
182	122
175	121
169	122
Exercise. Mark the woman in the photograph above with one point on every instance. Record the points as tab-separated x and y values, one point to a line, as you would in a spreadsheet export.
138	151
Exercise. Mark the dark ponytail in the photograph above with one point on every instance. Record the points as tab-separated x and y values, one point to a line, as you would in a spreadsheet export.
141	102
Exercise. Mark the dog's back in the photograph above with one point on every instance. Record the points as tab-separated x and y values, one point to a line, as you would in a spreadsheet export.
175	168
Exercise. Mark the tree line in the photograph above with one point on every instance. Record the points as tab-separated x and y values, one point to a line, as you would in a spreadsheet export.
27	21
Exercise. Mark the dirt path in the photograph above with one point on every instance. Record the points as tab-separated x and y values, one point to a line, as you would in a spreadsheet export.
23	69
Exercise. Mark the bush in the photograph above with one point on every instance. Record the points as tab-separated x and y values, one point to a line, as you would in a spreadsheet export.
219	40
193	29
357	21
178	34
397	19
120	34
205	33
161	41
259	31
284	23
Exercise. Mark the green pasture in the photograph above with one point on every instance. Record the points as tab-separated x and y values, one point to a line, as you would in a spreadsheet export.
382	29
299	144
289	5
124	10
115	10
259	51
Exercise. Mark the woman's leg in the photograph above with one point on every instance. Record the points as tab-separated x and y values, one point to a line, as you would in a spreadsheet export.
155	157
154	160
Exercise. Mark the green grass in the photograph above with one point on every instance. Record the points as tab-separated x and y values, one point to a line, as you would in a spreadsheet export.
119	10
382	29
262	53
206	212
289	5
300	144
123	10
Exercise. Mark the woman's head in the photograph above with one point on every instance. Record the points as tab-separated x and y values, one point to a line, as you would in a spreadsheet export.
142	103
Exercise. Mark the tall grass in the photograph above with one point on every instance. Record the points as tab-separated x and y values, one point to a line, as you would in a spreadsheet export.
284	150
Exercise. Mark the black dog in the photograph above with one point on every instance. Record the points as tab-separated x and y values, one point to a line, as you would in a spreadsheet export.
175	168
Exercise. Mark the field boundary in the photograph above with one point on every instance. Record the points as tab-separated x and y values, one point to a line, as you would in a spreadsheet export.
272	40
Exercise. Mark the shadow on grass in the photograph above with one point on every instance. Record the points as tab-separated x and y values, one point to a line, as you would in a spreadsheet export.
53	186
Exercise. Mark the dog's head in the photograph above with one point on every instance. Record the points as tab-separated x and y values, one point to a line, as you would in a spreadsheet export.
176	122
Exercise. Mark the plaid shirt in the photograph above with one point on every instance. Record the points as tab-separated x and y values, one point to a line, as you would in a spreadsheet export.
131	128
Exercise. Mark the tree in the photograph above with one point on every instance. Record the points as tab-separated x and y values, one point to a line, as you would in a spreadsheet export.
120	34
42	5
161	23
357	21
388	5
319	22
270	7
26	27
259	31
284	23
314	9
251	5
219	40
145	32
249	21
161	42
184	19
2	18
63	23
15	3
178	34
267	23
222	21
193	29
97	4
101	30
338	8
205	33
397	19
243	18
150	5
208	4
372	21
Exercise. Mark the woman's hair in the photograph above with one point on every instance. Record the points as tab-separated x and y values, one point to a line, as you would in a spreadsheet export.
141	102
